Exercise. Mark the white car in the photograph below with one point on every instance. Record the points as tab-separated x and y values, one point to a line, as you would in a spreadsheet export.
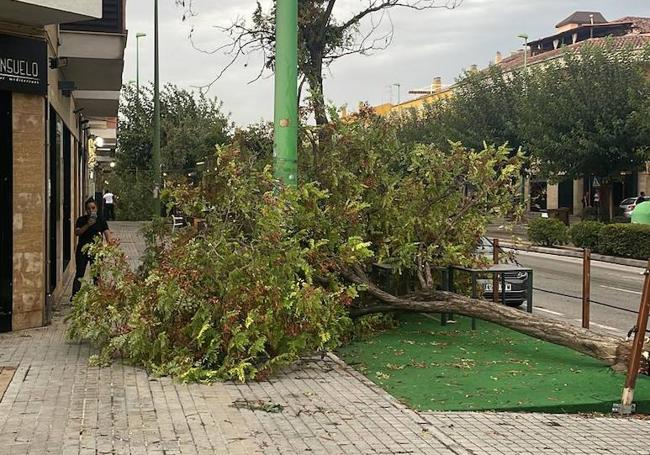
629	204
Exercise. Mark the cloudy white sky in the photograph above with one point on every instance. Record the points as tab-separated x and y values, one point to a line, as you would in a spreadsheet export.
426	44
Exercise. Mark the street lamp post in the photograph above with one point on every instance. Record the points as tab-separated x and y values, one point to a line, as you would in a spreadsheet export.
525	38
137	63
523	177
398	92
285	117
156	118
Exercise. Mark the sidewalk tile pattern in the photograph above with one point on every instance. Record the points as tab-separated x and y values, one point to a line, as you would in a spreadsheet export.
57	404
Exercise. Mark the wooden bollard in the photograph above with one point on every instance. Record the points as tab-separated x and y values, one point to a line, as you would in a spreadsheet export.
495	276
586	287
637	347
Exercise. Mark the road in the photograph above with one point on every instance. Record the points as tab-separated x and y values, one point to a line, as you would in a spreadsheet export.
612	284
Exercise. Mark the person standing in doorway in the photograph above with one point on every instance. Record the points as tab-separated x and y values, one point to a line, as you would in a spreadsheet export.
88	227
597	199
109	205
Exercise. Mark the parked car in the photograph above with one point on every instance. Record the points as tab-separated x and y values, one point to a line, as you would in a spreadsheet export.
629	204
516	282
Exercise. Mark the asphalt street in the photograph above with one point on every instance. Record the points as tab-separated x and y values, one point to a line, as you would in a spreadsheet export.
612	284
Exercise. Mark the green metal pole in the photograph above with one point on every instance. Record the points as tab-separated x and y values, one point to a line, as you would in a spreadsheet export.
156	120
286	92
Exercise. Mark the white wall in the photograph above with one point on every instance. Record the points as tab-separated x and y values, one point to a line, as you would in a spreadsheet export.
92	8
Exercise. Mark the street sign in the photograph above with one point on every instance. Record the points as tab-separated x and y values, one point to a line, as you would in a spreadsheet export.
596	183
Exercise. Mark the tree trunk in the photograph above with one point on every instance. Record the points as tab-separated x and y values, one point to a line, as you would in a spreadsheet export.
606	201
610	200
314	74
613	351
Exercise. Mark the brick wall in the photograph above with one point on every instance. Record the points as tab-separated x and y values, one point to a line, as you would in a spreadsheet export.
29	210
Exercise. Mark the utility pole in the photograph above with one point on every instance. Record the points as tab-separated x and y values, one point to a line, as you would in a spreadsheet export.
155	158
137	64
285	117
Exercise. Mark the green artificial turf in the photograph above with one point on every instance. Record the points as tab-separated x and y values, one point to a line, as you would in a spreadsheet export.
452	368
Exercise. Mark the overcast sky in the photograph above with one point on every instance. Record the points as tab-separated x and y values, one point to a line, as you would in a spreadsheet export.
426	44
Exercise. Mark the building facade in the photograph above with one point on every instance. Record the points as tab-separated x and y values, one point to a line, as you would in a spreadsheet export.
49	93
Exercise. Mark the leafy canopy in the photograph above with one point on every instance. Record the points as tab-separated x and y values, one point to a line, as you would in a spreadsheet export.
190	125
582	113
267	279
484	107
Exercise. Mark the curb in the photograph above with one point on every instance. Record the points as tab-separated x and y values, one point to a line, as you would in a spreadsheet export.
574	253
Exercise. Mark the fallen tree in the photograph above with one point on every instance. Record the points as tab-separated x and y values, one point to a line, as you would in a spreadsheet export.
611	350
279	272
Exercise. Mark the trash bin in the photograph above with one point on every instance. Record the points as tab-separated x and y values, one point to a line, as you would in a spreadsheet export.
561	214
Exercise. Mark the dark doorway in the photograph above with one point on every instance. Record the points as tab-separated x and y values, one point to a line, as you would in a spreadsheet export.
538	190
626	186
56	127
67	196
565	194
6	209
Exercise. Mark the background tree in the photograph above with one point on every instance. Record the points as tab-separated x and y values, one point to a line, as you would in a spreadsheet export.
582	115
191	126
325	34
484	108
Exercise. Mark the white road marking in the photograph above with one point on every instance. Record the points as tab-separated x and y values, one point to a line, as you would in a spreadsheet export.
548	311
578	260
602	326
620	289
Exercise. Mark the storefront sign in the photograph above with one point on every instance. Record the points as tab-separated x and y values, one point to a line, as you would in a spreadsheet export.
23	65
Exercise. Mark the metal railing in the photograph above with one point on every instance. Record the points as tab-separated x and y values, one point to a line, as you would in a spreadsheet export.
587	257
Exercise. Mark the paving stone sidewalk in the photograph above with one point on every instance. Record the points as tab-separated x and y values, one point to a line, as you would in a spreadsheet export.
57	404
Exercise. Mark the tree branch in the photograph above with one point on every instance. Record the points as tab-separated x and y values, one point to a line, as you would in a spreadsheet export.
377	5
613	351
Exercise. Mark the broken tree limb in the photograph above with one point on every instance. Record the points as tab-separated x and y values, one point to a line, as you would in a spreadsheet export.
611	350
